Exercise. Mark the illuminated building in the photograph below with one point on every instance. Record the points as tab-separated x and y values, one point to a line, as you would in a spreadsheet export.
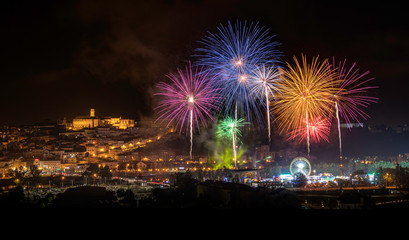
17	164
92	121
119	122
81	122
50	166
91	149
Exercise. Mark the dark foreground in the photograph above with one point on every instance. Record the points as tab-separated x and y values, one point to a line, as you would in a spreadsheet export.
190	193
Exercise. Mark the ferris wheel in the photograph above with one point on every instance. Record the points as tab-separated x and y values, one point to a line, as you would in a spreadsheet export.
300	164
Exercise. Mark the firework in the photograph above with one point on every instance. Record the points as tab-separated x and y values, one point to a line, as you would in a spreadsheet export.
318	129
229	128
232	53
304	94
264	85
351	95
190	99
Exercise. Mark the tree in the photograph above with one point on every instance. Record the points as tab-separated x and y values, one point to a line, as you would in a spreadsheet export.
333	168
18	174
379	176
91	170
129	198
35	174
105	172
386	176
300	180
402	176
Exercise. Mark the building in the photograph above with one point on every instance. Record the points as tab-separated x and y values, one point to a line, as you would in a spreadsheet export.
110	164
119	122
93	121
81	122
17	163
91	149
50	166
263	153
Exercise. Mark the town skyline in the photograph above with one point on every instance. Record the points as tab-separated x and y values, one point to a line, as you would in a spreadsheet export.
379	140
203	103
52	165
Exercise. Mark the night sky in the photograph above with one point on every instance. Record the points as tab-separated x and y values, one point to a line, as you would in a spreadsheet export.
61	58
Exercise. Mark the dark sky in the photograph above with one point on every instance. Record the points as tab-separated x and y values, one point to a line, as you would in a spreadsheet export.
61	58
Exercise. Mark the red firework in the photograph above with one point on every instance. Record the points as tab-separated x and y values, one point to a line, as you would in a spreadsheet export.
316	130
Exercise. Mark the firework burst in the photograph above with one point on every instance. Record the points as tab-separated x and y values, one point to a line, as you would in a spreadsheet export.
351	95
231	54
229	128
264	85
318	130
304	94
190	99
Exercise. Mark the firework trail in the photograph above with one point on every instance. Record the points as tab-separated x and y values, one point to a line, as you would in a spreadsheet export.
264	84
339	129
232	53
229	128
190	99
304	94
351	94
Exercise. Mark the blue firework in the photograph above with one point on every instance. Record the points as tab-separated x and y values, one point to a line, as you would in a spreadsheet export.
231	55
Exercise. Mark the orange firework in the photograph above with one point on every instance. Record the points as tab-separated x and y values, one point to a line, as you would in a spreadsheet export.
304	93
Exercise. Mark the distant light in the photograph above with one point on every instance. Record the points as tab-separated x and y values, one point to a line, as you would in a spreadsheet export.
286	177
191	99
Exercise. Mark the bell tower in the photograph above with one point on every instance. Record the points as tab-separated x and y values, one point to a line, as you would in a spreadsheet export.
92	112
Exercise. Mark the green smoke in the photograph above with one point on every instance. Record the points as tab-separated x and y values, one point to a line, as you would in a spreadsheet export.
223	152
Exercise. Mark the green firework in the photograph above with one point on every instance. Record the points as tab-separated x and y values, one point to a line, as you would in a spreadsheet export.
230	127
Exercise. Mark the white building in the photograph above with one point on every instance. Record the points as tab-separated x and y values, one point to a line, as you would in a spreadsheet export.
50	166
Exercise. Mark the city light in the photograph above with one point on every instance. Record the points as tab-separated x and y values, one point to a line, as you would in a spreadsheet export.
161	105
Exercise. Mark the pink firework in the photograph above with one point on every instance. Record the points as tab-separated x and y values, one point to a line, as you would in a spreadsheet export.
352	95
188	100
315	129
